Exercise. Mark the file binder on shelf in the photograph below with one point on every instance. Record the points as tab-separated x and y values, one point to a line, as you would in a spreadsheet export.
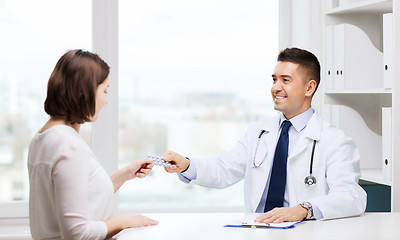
329	57
357	63
388	50
387	143
352	66
329	4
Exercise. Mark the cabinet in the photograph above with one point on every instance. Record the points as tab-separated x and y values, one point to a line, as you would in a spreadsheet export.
362	86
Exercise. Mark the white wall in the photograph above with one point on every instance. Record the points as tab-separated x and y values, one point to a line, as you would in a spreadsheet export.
300	25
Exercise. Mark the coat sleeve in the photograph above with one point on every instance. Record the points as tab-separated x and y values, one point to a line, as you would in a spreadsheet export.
227	168
345	197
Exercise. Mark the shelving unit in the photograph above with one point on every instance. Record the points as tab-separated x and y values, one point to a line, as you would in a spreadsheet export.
356	90
374	175
372	6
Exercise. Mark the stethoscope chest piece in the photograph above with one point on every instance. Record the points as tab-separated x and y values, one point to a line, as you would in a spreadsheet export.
310	180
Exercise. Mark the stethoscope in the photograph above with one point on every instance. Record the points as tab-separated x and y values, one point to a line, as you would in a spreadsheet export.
309	180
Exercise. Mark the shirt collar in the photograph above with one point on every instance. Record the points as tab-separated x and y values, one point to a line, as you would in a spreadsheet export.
300	121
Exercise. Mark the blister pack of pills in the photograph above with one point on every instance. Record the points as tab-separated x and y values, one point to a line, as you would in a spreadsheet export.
159	160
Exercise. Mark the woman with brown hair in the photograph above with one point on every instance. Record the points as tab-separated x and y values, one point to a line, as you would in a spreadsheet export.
71	195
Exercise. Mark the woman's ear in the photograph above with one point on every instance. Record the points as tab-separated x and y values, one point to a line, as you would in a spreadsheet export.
311	87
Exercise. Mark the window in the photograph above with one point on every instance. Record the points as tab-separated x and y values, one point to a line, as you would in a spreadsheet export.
192	76
34	36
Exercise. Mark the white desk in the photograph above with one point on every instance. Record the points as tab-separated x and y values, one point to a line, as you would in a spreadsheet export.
209	226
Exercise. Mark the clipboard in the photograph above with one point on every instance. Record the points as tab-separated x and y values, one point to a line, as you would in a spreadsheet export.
284	225
248	222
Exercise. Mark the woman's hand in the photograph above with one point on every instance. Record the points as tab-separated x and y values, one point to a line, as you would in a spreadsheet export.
139	168
116	224
138	220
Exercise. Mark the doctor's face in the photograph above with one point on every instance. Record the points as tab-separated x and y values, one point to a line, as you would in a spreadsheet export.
290	90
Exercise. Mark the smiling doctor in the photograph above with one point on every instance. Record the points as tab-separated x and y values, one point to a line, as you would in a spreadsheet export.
295	166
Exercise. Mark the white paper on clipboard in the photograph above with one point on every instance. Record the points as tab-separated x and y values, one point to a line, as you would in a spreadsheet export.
248	221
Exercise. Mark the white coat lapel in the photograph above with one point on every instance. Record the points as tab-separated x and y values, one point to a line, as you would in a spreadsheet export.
260	174
271	141
311	132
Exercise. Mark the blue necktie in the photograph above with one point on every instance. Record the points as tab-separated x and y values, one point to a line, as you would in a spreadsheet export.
277	183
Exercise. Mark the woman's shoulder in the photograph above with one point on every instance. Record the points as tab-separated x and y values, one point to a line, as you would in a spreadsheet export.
57	143
60	133
59	137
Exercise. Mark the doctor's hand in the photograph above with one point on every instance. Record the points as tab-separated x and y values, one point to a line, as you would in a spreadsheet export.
179	163
284	214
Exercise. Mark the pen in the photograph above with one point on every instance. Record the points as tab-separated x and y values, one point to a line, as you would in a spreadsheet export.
253	226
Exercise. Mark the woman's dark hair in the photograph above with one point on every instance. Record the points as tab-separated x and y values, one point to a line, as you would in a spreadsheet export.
71	90
307	61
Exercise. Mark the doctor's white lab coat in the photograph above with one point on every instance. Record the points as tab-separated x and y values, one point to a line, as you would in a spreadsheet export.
336	168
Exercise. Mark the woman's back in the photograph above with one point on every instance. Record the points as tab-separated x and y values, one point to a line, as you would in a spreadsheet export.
70	193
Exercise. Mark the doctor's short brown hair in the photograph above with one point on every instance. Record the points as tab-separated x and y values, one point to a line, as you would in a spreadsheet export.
71	89
307	61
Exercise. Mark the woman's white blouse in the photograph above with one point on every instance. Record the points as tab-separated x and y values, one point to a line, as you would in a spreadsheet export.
70	192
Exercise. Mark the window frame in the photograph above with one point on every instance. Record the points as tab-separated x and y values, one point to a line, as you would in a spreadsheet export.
14	209
105	129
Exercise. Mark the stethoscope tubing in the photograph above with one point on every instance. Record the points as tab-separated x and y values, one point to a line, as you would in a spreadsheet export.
312	157
255	153
311	160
